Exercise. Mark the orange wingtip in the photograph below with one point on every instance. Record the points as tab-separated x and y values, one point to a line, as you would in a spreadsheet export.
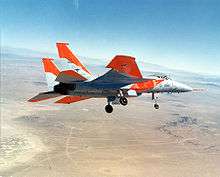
125	64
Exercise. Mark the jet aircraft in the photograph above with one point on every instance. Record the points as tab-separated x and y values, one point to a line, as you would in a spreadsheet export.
123	80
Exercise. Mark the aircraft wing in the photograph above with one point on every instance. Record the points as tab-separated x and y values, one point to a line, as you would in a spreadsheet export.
44	96
115	80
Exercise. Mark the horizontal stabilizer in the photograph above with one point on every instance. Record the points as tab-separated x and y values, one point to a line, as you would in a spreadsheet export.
69	76
44	96
71	99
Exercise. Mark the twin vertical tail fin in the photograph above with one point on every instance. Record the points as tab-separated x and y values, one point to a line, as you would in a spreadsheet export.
53	75
51	72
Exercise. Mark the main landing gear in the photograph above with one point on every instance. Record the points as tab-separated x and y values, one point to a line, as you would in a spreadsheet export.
123	101
108	108
156	105
119	99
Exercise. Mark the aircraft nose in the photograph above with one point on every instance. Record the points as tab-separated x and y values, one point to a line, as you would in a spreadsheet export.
182	87
185	88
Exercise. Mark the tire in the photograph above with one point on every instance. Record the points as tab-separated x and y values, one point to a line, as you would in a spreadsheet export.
123	101
108	108
156	106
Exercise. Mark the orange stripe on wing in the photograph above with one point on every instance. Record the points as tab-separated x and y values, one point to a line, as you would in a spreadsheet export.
71	99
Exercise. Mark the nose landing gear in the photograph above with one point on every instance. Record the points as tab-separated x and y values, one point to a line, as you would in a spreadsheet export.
156	106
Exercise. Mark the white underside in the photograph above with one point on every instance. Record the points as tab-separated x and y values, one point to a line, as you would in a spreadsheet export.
50	77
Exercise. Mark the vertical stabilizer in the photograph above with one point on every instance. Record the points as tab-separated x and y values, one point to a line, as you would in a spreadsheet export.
51	72
65	52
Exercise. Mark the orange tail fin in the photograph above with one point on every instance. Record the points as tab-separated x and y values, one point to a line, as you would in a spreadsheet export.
49	66
65	52
51	72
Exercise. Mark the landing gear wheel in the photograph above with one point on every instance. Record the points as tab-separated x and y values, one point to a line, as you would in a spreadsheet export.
156	106
108	108
123	101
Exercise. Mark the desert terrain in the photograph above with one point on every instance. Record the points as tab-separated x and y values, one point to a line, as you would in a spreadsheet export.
181	139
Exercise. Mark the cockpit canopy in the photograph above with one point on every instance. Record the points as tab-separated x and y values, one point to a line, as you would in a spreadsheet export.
161	76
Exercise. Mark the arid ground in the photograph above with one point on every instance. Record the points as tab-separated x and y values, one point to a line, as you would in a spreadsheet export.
181	139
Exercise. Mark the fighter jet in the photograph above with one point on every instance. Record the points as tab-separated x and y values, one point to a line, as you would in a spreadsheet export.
123	80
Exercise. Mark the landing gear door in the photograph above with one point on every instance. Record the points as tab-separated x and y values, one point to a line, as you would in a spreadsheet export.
132	93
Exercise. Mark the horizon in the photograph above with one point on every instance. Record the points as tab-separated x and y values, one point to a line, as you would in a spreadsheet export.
106	60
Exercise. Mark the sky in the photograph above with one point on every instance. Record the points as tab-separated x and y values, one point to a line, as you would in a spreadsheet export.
180	34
